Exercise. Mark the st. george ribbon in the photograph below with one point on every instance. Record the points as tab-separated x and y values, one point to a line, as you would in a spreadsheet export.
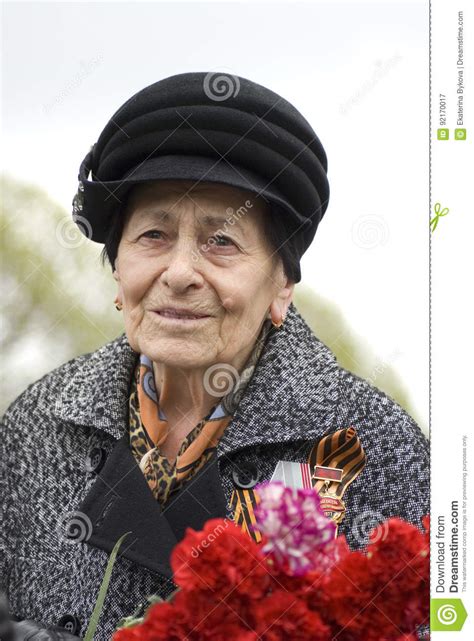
333	463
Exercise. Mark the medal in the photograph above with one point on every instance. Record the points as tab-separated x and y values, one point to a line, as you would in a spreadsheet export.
332	506
336	460
297	475
333	463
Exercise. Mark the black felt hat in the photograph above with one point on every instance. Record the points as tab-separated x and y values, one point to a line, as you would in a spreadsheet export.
207	126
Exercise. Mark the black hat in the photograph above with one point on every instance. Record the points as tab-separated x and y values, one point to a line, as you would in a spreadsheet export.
207	127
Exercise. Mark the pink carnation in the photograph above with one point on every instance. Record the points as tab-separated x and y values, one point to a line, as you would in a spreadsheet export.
297	531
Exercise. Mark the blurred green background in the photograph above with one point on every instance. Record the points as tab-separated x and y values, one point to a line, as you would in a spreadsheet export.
58	300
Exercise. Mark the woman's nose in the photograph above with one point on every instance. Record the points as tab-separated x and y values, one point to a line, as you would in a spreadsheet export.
181	266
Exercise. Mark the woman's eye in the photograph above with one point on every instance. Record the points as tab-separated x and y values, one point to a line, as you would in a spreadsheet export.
152	231
218	240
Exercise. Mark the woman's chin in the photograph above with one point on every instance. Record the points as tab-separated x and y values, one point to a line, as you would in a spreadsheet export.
185	353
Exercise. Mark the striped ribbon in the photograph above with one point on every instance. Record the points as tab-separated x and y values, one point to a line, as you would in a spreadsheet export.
343	451
342	459
243	503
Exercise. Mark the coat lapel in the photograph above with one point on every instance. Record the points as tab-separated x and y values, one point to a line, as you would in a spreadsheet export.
120	501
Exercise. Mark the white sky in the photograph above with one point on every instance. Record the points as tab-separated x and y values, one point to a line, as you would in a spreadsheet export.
357	71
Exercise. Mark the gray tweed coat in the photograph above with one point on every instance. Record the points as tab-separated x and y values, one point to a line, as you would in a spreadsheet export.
70	485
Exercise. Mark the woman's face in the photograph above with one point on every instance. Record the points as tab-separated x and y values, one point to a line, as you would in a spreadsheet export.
203	251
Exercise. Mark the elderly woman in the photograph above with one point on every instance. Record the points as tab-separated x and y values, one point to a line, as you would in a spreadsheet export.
205	203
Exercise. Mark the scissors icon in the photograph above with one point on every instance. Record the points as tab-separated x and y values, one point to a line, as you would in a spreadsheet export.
438	213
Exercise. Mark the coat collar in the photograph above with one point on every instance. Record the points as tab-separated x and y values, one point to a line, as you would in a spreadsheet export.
120	501
295	385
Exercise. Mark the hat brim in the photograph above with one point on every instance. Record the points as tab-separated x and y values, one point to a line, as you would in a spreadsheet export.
103	200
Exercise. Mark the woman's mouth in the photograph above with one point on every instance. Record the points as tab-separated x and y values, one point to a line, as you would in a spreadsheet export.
176	315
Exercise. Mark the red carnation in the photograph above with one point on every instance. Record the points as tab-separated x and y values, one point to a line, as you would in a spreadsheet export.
283	616
311	587
193	616
426	525
348	591
386	592
221	559
400	553
231	590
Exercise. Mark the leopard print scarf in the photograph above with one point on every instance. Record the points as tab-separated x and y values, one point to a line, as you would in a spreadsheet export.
162	476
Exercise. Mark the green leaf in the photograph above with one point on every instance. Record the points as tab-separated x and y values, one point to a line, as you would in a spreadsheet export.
135	619
171	596
91	628
128	622
154	598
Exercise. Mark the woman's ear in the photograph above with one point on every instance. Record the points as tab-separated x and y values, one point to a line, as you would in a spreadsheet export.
115	270
285	296
281	302
119	297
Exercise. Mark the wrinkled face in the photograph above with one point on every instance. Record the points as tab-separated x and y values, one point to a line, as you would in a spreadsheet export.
203	251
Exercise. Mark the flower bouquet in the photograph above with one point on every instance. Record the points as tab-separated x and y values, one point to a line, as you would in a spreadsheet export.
300	582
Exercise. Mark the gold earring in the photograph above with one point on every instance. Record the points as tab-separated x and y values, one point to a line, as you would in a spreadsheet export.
282	320
118	304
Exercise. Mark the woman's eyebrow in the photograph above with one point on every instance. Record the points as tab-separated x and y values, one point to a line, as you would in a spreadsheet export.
208	220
